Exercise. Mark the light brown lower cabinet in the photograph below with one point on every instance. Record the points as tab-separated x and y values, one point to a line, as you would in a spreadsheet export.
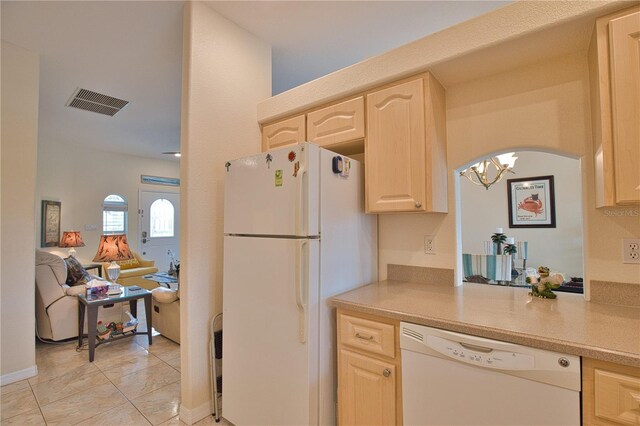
369	370
610	393
368	391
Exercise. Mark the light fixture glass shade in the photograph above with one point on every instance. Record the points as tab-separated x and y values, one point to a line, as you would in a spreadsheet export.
71	239
478	174
113	248
507	159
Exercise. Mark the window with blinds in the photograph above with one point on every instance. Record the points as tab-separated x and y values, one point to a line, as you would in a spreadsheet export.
114	215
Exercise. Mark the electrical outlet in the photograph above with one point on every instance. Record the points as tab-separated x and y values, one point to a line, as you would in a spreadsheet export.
631	250
429	245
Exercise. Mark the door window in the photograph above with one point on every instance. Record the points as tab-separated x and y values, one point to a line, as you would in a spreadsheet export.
161	214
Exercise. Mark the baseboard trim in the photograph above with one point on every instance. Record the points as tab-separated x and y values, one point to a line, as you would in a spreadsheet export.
16	376
194	415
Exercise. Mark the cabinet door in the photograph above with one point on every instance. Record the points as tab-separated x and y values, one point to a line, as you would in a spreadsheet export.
283	133
395	149
336	124
624	42
610	393
367	390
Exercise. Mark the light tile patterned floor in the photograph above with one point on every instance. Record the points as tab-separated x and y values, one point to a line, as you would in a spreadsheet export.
129	383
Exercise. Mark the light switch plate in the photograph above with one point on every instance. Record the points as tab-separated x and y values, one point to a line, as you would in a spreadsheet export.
631	250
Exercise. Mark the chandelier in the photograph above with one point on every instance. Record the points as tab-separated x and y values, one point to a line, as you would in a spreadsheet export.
479	174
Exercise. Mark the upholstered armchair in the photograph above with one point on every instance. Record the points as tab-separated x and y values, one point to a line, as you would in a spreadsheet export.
57	302
166	312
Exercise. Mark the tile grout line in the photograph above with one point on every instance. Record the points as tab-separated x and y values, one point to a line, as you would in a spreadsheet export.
121	393
37	403
99	370
162	360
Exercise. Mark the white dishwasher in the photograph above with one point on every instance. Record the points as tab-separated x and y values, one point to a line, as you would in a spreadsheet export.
455	379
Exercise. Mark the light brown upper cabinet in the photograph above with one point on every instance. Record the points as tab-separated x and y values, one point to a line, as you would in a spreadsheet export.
283	133
337	124
405	148
614	65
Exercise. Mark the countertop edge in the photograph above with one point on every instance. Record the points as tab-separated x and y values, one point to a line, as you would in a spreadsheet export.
540	342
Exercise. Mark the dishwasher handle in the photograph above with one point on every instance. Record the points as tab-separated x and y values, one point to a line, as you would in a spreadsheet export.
476	348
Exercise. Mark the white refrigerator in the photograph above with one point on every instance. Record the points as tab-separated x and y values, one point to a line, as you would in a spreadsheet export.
295	235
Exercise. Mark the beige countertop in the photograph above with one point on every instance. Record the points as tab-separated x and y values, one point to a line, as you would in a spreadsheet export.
567	324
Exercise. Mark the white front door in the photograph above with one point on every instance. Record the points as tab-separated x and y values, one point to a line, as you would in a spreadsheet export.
159	227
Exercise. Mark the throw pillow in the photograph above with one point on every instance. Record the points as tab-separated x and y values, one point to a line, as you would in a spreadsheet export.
129	264
76	274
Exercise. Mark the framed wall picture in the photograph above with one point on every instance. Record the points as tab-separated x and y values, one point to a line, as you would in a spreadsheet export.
531	202
50	235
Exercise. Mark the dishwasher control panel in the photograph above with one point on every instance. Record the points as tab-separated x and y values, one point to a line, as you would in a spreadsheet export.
477	355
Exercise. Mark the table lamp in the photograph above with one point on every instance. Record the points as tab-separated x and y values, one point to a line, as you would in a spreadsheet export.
71	239
113	248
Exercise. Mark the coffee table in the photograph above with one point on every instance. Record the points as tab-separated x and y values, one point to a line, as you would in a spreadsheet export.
92	305
163	279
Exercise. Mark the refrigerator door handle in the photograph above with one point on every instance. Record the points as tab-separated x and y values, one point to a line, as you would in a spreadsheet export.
301	210
301	288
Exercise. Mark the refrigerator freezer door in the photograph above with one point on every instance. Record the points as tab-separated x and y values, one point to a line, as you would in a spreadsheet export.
270	347
273	193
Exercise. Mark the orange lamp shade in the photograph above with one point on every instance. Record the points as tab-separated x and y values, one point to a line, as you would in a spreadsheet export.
113	248
71	239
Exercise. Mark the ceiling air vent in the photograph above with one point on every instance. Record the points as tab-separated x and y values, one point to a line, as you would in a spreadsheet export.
96	102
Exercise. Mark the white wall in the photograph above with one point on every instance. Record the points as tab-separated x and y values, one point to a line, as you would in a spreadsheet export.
226	72
81	177
559	248
20	73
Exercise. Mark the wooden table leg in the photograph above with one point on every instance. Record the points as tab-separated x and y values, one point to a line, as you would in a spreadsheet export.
133	308
81	309
92	324
149	315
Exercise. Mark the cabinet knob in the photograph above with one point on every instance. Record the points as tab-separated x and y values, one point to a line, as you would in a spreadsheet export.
418	204
386	372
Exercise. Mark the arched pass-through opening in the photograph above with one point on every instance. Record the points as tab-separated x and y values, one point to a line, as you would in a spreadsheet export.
539	204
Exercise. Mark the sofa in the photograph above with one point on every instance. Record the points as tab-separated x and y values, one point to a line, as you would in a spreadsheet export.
132	271
165	312
57	302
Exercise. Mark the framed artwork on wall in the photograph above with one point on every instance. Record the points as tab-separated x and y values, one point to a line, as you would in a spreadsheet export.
532	202
50	235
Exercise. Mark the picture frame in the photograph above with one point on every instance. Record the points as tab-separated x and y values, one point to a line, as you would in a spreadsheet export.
531	202
50	233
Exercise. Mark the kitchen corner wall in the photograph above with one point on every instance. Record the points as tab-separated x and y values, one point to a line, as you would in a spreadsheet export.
80	177
20	74
226	72
543	106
